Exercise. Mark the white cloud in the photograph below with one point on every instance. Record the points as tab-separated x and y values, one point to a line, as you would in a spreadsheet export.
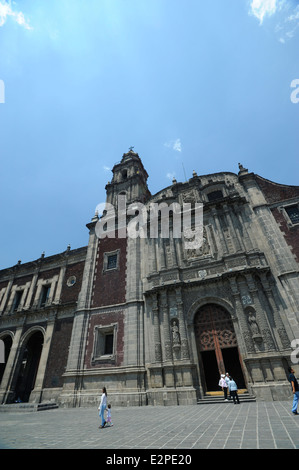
106	168
177	146
287	16
6	11
262	8
170	176
295	15
174	144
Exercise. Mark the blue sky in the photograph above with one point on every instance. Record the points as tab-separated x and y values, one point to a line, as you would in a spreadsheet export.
192	85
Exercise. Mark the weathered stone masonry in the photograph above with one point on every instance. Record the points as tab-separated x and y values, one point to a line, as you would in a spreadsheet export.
152	321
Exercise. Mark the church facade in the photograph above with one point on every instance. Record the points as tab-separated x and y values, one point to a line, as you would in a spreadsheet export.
151	319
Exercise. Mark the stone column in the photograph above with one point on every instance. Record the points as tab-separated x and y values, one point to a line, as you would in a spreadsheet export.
157	338
24	296
168	371
6	295
161	252
174	262
84	297
182	325
232	230
6	393
53	283
2	293
223	244
31	290
246	334
245	238
284	339
261	318
36	394
156	380
59	284
11	299
166	328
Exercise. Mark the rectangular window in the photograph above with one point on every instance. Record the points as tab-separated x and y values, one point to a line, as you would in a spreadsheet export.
214	195
104	343
44	295
293	213
17	300
108	343
112	262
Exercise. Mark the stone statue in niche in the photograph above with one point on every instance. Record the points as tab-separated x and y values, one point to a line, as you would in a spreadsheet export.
188	198
175	333
255	331
253	324
204	248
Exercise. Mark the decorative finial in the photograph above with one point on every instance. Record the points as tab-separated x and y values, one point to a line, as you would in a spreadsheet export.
131	149
96	216
242	169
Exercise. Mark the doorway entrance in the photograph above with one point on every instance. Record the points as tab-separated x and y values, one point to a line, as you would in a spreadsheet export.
217	347
7	342
29	366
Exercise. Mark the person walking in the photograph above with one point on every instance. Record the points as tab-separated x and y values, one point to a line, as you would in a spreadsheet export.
233	390
109	419
295	390
102	407
222	383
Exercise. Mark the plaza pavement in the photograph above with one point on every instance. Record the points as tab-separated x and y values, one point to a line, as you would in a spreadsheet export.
256	425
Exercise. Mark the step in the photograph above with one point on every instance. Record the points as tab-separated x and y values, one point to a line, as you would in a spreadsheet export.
27	407
214	399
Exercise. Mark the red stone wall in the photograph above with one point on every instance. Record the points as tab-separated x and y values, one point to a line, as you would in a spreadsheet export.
275	193
110	286
58	354
291	234
71	293
106	319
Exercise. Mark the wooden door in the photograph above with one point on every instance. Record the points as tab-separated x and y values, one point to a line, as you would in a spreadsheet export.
217	344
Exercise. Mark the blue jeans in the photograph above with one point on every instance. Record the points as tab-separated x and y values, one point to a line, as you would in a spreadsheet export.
295	402
102	415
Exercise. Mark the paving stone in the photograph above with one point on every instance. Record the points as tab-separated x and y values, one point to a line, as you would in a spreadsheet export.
157	427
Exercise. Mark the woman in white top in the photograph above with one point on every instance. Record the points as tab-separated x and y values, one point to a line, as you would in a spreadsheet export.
222	383
103	406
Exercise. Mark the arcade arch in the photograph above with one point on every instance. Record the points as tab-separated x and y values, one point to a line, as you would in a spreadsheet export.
6	339
29	361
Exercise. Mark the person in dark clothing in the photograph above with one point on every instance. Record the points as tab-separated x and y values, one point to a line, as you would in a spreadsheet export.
295	390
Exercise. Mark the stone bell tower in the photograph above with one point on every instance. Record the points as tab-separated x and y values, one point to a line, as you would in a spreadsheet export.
129	179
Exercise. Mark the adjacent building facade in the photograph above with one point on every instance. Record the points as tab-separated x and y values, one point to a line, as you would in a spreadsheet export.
152	321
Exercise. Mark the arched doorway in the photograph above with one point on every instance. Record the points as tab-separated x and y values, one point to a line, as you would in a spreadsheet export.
29	366
7	342
217	346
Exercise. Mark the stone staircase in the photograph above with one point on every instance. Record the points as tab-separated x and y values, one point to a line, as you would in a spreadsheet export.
27	407
217	397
